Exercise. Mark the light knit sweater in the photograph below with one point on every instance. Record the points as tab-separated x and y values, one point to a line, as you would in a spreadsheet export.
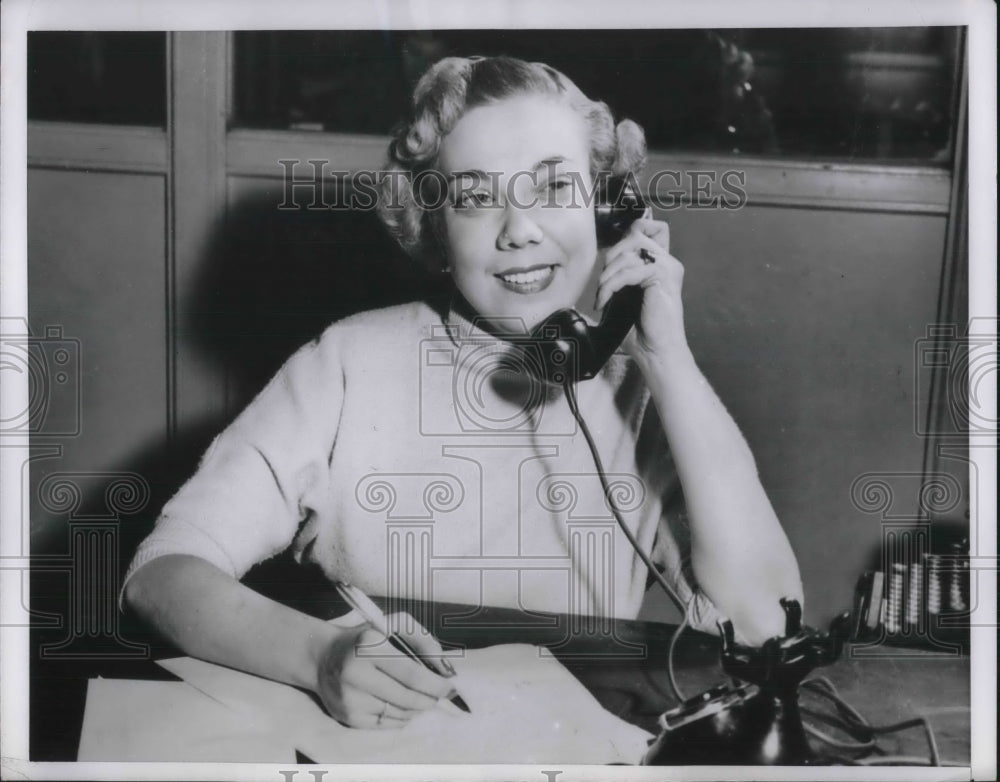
396	452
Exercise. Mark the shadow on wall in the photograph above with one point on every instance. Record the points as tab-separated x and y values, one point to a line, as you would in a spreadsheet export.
270	281
274	279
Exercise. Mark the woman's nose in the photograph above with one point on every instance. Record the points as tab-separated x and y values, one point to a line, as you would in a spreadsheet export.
518	229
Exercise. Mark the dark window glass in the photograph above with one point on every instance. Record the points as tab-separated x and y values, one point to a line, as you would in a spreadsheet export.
118	77
866	93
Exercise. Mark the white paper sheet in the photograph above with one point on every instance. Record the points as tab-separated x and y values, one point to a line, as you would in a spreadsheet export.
171	721
526	708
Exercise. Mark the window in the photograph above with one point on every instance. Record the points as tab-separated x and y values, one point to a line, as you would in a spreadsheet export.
103	77
851	93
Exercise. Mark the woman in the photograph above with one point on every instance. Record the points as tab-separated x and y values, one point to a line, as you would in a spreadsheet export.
319	460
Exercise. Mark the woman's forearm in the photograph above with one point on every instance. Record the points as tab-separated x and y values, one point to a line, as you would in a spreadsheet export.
740	554
209	615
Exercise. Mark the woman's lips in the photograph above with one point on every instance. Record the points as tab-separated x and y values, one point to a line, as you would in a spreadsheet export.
531	279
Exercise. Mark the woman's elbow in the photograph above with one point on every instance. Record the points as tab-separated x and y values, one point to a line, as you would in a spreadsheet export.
755	605
155	581
136	594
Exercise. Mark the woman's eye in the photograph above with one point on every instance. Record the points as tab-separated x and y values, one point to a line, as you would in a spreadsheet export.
559	190
473	200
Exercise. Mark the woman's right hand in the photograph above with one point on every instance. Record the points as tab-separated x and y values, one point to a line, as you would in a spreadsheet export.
365	682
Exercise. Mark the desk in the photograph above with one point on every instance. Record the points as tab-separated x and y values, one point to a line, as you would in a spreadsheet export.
623	663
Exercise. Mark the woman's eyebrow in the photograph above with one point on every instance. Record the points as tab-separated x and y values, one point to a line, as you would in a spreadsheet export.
472	173
478	173
548	162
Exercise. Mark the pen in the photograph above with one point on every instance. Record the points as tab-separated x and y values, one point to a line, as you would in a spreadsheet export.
372	614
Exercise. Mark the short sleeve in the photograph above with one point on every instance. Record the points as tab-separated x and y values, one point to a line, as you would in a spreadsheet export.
672	552
255	484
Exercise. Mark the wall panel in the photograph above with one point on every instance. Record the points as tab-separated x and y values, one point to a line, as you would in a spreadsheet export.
805	321
96	269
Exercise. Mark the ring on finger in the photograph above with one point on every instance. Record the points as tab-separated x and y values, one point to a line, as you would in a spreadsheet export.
647	256
381	714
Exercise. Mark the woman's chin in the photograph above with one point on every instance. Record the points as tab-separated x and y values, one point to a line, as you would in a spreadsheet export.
532	317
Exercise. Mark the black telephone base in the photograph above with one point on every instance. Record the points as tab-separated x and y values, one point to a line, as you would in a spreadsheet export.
755	720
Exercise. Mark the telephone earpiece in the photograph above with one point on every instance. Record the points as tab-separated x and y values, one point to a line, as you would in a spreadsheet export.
618	205
570	348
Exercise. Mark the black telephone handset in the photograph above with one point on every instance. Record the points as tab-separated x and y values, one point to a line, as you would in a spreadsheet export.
570	348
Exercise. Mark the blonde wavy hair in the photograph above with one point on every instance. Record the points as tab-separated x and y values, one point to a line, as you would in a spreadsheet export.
446	91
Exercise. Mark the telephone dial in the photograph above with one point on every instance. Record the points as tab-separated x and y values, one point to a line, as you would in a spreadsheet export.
570	348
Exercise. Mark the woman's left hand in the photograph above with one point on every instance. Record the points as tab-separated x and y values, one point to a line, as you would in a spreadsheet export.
643	258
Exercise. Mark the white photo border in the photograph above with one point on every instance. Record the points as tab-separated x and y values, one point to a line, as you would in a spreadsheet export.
19	16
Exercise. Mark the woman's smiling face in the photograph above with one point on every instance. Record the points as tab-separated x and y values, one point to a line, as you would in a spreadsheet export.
521	241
